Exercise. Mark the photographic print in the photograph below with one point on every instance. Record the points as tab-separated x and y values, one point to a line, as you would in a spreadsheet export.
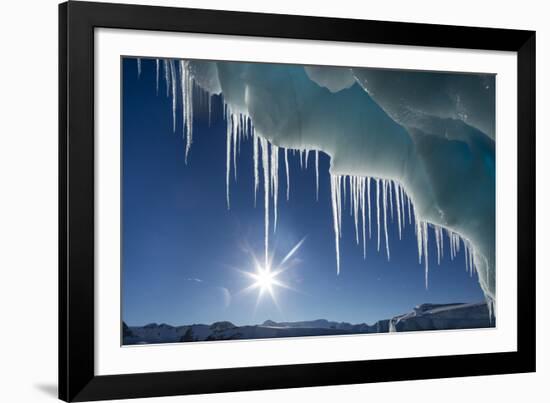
265	200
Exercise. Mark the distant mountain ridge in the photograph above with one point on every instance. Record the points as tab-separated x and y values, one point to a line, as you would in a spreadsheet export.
318	324
422	317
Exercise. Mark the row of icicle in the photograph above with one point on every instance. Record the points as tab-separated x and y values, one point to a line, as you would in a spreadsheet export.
239	127
266	157
388	193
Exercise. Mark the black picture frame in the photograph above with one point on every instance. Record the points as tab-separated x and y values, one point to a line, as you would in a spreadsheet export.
77	379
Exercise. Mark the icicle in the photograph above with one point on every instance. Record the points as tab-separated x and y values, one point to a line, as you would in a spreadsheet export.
362	195
306	155
437	244
409	208
255	144
455	251
157	63
490	309
316	175
267	186
390	196
167	76
402	202
334	195
441	241
229	141
425	242
473	262
398	204
466	257
187	107
275	181
188	82
418	230
233	119
184	90
244	125
350	196
451	249
339	196
287	175
452	245
378	211
454	242
385	198
239	131
242	131
368	203
301	163
355	197
138	67
174	97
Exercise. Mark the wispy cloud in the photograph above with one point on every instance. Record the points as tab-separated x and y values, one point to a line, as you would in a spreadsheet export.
195	279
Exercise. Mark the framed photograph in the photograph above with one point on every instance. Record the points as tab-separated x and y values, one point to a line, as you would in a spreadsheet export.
257	201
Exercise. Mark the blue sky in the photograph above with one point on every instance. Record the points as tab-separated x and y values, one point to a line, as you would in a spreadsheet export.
183	250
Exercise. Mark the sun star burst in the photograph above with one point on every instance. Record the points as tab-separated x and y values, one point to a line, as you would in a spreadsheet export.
265	276
265	279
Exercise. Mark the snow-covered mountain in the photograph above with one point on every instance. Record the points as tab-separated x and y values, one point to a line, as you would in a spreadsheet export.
422	317
319	324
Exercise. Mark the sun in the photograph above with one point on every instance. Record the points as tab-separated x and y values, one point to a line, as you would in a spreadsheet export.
265	276
265	279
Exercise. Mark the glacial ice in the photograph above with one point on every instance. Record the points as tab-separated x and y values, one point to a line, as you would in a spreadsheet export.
425	140
409	98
